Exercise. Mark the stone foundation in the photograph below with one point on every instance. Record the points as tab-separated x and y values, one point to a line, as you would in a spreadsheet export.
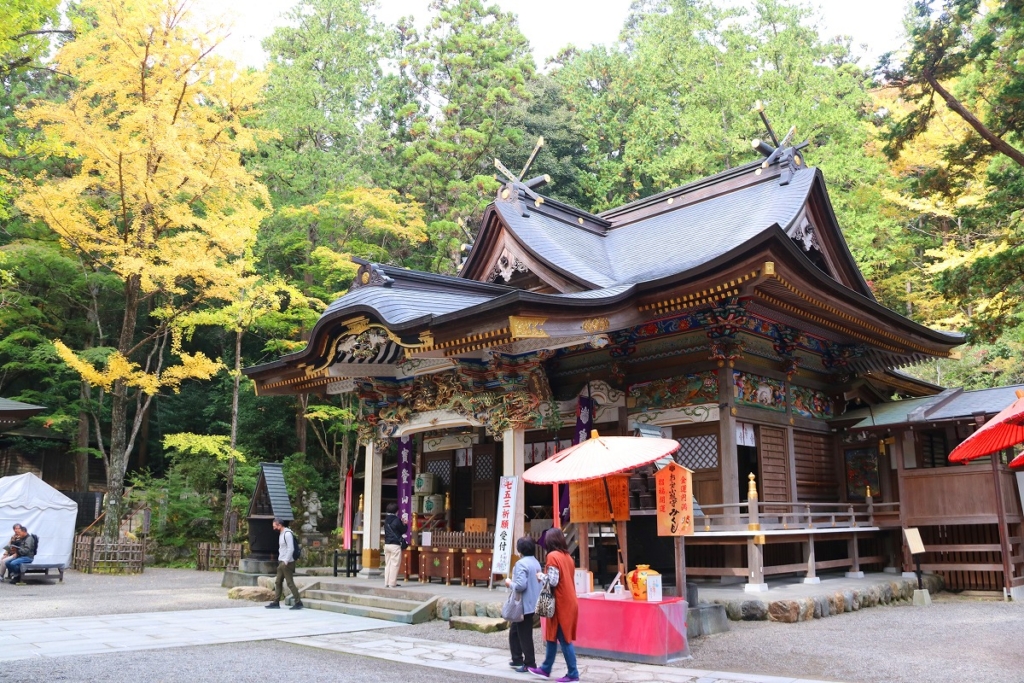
827	604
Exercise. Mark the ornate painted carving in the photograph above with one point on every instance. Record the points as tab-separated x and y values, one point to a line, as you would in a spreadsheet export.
759	391
786	344
809	402
371	275
802	232
673	392
508	265
837	357
524	327
363	346
676	416
722	323
501	395
593	325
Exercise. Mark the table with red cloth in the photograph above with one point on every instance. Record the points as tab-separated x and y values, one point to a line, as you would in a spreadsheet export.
632	630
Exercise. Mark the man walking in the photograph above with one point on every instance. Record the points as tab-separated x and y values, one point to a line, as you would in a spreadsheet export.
22	551
394	543
285	564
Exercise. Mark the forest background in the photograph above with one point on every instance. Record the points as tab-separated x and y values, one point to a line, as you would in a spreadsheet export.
167	217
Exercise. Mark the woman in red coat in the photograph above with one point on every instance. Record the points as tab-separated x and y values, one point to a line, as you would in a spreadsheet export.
561	628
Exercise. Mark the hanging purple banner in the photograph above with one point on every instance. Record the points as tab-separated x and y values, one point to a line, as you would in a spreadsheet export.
584	424
405	483
584	420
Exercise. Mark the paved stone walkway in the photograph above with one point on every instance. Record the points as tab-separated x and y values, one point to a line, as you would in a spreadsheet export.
58	637
494	663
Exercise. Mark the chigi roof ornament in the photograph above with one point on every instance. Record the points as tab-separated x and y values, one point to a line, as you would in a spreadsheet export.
784	152
518	190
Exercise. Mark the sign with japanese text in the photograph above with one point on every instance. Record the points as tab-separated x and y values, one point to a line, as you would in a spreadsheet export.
674	490
588	501
404	483
504	526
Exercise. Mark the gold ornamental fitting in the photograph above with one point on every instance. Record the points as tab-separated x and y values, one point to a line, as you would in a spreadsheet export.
751	486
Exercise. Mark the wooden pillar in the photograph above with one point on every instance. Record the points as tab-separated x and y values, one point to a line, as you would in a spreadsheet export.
1004	541
513	446
680	553
854	551
371	511
727	439
584	536
728	465
898	448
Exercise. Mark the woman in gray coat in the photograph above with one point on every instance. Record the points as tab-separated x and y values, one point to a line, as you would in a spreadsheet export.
524	581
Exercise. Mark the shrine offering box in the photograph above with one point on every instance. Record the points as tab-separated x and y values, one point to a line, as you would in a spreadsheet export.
632	630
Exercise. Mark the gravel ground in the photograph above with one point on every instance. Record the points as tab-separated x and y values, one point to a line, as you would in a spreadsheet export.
238	663
956	640
154	590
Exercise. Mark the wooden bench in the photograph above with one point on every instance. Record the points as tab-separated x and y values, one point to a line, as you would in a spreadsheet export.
43	569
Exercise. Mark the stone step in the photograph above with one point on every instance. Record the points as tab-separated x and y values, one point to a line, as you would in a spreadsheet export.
376	603
398	604
401	616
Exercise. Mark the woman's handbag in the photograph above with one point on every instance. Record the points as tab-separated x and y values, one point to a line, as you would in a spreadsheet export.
512	610
546	601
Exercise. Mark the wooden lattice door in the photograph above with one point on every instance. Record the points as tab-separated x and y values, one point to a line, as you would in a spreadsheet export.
699	452
773	457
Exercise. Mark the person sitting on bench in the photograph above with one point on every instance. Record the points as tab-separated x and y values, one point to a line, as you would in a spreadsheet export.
8	553
24	548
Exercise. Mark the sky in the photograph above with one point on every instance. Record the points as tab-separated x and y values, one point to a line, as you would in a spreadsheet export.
551	24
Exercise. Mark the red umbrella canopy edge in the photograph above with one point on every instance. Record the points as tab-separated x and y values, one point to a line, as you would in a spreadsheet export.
1004	430
599	456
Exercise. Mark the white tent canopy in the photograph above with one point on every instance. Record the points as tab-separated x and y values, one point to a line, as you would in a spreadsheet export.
45	511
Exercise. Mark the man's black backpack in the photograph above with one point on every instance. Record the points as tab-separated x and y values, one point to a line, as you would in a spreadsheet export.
296	548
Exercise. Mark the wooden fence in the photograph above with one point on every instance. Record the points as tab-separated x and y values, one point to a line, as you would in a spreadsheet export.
94	554
217	557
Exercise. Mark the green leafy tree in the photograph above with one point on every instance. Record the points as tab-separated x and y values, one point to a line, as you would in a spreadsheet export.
160	198
966	54
468	74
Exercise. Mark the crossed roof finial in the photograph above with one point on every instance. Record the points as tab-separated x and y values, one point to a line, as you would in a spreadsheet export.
516	186
784	152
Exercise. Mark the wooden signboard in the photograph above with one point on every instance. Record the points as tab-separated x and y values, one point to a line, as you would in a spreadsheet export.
674	490
588	501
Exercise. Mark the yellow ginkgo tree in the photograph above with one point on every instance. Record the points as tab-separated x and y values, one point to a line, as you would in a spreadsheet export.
157	124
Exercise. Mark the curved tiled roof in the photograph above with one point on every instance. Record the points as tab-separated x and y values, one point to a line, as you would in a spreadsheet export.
641	249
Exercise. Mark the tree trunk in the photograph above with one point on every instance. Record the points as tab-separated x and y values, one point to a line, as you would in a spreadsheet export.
82	450
119	399
301	422
229	487
996	142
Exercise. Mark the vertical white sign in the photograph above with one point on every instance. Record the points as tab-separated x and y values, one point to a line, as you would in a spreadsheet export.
653	589
504	525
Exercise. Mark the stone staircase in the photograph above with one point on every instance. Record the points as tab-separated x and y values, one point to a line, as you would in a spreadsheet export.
390	604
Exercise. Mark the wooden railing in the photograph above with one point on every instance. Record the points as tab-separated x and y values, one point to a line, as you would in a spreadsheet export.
784	516
218	557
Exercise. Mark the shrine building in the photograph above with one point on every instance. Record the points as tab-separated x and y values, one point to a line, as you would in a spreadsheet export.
727	314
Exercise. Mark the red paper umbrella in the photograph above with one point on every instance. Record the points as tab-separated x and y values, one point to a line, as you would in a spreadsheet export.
1003	431
596	458
599	457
